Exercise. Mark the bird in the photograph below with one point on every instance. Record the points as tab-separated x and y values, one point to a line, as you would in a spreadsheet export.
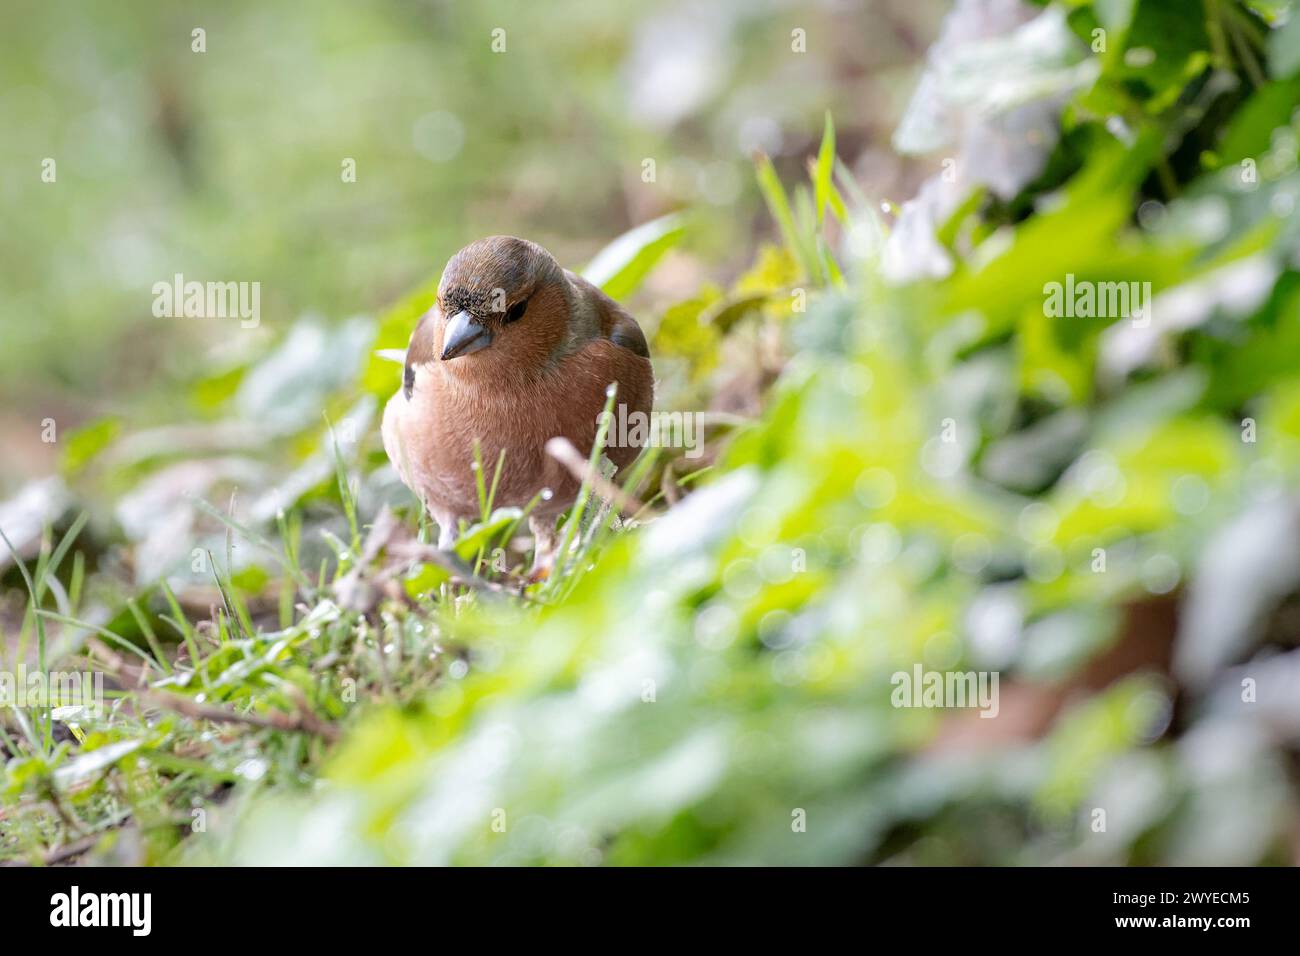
515	351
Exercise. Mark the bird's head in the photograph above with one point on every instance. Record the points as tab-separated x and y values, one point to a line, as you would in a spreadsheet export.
503	309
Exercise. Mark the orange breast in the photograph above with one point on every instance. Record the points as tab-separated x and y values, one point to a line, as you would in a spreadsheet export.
438	428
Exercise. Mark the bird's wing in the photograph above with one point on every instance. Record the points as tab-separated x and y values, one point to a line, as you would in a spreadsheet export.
418	352
616	324
626	332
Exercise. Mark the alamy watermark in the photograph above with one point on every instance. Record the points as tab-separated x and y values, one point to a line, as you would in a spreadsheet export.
38	688
1084	299
133	911
179	299
637	429
946	689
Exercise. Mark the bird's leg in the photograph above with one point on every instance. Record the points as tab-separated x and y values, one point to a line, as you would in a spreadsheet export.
545	544
446	534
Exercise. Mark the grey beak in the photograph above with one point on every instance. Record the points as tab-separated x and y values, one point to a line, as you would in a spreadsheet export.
463	335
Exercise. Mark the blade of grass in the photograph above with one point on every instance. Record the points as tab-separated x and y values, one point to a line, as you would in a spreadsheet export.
806	223
258	540
34	608
574	523
149	634
230	542
290	537
779	206
345	491
29	732
235	607
78	580
480	483
8	741
182	625
104	632
825	168
496	479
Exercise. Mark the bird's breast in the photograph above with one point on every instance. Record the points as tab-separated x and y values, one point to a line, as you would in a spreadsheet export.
450	427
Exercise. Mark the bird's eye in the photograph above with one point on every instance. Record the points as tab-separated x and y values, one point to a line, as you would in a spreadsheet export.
516	311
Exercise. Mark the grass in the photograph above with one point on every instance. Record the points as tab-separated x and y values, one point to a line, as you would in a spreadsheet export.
256	693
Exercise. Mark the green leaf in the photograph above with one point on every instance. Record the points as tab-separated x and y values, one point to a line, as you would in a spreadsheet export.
684	333
85	444
481	535
380	378
88	764
1115	15
1284	48
1250	133
621	266
428	579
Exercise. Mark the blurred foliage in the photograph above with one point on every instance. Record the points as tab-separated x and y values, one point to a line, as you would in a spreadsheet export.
227	164
938	473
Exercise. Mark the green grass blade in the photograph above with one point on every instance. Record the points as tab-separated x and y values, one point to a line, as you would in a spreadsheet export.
769	183
825	169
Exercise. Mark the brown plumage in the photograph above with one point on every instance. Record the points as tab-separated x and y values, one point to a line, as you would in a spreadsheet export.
515	351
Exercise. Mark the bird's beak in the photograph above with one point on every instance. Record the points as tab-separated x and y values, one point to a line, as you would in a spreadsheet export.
463	335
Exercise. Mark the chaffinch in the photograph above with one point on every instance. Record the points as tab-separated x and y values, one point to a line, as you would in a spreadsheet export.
515	351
